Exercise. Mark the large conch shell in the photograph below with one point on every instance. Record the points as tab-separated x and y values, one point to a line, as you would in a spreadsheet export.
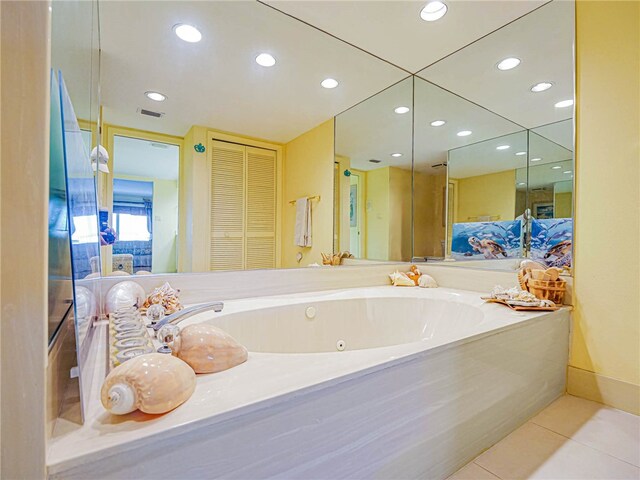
208	349
400	279
153	383
166	296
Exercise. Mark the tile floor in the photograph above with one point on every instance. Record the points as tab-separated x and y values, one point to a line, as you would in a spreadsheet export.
572	438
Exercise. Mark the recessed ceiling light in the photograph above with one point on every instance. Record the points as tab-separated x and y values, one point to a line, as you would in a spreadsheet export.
188	33
433	11
536	159
522	183
396	154
464	133
556	167
329	83
438	123
503	147
508	63
265	60
567	171
521	153
157	96
541	87
564	104
401	110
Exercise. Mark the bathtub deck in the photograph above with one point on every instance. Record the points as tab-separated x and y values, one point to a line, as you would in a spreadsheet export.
267	382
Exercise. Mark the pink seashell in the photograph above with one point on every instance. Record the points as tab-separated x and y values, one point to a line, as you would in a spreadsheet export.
153	383
208	349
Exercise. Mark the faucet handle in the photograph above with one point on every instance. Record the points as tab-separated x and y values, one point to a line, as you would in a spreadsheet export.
167	334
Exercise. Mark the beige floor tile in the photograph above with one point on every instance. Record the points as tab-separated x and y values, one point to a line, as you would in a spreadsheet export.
533	452
609	430
471	471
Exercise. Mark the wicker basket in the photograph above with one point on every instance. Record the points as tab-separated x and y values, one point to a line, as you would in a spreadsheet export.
547	290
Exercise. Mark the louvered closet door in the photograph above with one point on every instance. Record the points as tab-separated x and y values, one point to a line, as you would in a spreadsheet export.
260	250
227	206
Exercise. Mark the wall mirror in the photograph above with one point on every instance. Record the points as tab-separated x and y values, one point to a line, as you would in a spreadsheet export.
509	188
197	132
373	161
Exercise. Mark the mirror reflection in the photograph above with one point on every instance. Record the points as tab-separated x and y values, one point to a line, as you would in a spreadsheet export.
373	195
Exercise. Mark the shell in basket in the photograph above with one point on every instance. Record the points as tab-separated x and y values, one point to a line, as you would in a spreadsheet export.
153	383
208	349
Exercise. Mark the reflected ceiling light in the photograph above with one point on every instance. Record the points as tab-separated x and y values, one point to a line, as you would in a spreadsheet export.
401	110
329	83
503	147
564	104
433	11
521	153
567	171
265	60
156	96
522	183
188	33
396	154
541	87
438	123
537	159
556	167
508	63
464	133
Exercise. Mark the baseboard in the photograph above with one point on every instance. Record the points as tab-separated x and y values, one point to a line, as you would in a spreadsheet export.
615	393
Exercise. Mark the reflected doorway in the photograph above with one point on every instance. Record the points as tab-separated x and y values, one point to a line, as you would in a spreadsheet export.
145	205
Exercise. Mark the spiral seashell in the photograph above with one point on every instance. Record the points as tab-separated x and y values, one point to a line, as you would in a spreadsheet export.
427	281
208	349
153	383
124	294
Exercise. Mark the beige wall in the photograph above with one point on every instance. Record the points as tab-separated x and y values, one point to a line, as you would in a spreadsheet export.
399	214
308	170
606	334
492	195
428	228
25	62
377	214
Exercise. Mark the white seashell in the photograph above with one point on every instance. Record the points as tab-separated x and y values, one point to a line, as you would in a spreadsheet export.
118	273
399	279
427	281
124	294
208	349
153	383
86	305
531	265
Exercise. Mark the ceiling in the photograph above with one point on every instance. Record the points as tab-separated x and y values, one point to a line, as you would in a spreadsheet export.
144	159
216	82
543	41
394	31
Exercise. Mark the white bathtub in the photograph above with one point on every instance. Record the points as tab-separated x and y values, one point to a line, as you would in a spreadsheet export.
428	379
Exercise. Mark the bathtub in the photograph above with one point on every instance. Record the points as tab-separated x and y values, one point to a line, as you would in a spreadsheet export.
378	382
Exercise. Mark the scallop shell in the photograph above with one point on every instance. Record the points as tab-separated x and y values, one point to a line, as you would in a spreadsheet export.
124	294
427	281
208	349
153	383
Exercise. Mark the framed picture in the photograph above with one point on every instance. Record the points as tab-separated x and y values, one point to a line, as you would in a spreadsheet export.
542	210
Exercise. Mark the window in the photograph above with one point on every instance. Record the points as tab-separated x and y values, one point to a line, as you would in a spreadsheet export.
131	227
86	229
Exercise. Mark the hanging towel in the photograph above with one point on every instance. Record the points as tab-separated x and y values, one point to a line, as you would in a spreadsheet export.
303	222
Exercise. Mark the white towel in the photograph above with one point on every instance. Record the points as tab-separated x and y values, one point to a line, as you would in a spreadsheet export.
302	234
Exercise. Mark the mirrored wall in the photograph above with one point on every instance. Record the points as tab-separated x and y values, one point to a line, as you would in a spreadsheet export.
491	157
221	147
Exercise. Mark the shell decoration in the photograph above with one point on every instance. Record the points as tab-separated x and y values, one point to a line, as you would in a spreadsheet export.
334	259
166	296
400	279
427	281
123	295
153	383
208	349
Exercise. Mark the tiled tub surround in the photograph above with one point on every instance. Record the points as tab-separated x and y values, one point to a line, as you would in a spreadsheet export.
420	409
